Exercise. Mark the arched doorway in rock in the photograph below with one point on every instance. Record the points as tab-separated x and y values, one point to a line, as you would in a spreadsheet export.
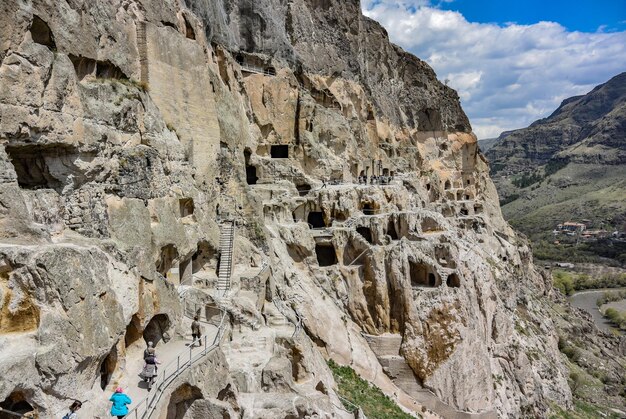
316	219
156	329
366	233
421	275
453	281
326	254
107	368
181	400
133	331
16	402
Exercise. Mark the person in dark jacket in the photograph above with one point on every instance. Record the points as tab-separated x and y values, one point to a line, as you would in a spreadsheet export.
196	331
120	402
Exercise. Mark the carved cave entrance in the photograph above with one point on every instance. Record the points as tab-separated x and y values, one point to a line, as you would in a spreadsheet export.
186	207
316	219
251	176
107	368
133	331
279	151
41	33
366	233
15	402
422	275
453	281
156	329
326	255
181	400
391	230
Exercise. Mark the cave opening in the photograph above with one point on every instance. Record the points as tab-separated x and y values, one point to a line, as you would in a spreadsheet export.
421	275
156	329
41	33
366	233
181	400
316	219
326	255
133	331
391	230
367	208
186	207
15	402
166	260
303	189
447	185
464	211
107	368
385	172
251	176
459	195
205	258
108	70
44	167
279	151
189	32
453	281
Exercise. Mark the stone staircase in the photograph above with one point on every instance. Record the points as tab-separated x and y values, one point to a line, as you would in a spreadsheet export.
227	240
387	350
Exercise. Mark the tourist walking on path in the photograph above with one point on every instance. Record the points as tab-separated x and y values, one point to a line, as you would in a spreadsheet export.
73	409
120	402
196	332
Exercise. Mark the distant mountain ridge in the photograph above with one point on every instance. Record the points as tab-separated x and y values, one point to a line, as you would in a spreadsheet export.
568	166
585	129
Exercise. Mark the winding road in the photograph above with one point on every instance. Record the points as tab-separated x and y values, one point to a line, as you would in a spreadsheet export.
586	300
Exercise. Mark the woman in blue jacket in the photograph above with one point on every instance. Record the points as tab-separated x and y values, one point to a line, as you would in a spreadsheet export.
120	400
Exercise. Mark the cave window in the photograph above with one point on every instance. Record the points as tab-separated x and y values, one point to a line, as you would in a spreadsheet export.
181	400
107	368
108	70
392	173
326	255
303	189
33	166
41	33
279	151
83	66
478	209
15	402
428	186
270	71
453	281
469	182
464	211
367	208
459	195
205	258
419	274
239	59
370	114
447	185
366	233
186	207
251	177
391	230
385	172
156	329
166	261
467	197
189	32
422	276
133	331
316	219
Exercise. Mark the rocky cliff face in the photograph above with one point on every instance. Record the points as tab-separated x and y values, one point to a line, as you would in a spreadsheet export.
130	128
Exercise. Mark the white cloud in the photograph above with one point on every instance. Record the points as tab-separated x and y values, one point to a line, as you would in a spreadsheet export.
507	76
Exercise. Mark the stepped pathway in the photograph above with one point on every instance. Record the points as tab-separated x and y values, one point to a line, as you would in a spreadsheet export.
167	354
227	240
387	350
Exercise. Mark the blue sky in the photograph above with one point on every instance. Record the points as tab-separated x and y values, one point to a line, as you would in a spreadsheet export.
574	15
512	62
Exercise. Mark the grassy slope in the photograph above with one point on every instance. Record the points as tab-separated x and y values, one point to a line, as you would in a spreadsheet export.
576	192
374	403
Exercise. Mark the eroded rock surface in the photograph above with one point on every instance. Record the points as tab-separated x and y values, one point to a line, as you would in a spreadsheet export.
129	129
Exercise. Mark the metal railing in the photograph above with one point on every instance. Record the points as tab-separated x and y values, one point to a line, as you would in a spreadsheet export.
146	407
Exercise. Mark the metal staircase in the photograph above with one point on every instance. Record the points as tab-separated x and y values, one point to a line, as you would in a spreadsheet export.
227	241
